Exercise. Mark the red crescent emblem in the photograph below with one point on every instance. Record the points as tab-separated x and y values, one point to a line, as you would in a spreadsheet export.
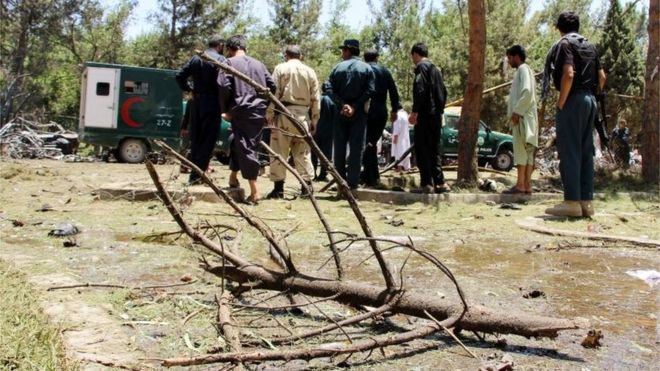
126	116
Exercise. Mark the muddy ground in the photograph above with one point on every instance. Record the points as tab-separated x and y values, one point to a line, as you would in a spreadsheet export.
495	261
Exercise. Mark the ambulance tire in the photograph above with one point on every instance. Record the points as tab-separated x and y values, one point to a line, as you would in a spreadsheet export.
132	151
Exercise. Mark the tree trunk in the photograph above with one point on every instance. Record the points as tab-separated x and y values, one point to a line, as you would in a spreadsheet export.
651	116
469	121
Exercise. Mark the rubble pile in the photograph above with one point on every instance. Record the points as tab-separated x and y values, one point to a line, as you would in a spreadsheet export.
547	160
22	138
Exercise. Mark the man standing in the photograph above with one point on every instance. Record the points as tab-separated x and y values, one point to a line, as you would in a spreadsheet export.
246	110
577	75
298	89
205	119
429	97
352	87
324	128
524	122
377	117
620	138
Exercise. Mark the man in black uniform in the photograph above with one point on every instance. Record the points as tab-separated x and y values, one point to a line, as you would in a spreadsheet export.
429	97
577	75
377	117
205	120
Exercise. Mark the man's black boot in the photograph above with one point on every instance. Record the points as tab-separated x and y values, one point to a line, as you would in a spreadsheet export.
278	190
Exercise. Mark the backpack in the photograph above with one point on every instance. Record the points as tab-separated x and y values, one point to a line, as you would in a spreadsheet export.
585	58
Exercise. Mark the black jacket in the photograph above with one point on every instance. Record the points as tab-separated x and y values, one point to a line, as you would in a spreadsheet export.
429	92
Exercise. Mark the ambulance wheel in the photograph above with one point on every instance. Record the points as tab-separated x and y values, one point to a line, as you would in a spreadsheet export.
132	151
503	161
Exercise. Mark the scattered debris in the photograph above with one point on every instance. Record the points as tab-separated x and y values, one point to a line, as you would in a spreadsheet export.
504	364
651	277
510	206
533	294
44	208
21	138
186	278
592	340
17	223
70	242
395	222
63	230
490	185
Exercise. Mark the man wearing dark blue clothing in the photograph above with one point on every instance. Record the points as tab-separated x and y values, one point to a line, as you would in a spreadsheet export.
205	120
353	86
245	108
324	128
377	117
577	75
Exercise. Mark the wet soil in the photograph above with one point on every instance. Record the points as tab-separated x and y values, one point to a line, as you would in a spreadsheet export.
495	261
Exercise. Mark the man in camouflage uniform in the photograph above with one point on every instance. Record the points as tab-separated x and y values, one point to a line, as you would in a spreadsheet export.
298	89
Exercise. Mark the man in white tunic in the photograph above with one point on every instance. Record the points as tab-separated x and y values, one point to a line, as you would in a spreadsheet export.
401	139
524	122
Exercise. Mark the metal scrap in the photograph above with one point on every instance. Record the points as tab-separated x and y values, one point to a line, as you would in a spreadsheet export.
22	138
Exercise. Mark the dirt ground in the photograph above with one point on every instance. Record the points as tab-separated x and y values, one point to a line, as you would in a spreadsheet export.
495	261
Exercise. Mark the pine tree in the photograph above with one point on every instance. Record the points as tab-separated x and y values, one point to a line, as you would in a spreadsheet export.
621	56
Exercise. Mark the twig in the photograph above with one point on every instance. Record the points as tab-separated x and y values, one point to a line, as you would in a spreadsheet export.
451	334
334	326
225	322
283	307
340	327
315	205
113	286
222	194
109	363
190	316
310	353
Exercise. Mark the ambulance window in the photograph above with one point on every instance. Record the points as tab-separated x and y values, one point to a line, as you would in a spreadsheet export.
136	87
102	88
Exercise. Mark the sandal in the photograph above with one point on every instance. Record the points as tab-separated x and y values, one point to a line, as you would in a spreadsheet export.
442	188
513	191
251	200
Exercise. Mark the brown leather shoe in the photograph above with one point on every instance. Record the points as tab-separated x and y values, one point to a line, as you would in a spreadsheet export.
587	209
566	208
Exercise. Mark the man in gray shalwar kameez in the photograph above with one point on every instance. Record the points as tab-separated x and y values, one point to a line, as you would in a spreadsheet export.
246	110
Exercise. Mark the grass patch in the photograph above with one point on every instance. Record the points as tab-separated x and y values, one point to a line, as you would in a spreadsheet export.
27	341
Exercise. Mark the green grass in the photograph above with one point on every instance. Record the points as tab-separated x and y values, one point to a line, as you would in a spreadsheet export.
27	340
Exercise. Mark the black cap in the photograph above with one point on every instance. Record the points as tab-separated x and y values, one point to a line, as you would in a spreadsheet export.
350	44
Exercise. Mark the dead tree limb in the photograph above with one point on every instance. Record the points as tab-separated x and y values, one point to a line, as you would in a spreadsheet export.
315	204
531	224
358	346
477	318
302	129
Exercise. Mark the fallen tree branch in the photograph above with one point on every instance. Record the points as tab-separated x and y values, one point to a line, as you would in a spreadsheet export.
476	318
532	224
358	346
113	286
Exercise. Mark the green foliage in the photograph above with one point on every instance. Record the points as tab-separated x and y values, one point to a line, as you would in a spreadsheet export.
186	25
621	55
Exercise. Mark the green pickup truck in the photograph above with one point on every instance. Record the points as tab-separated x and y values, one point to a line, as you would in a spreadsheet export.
492	147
